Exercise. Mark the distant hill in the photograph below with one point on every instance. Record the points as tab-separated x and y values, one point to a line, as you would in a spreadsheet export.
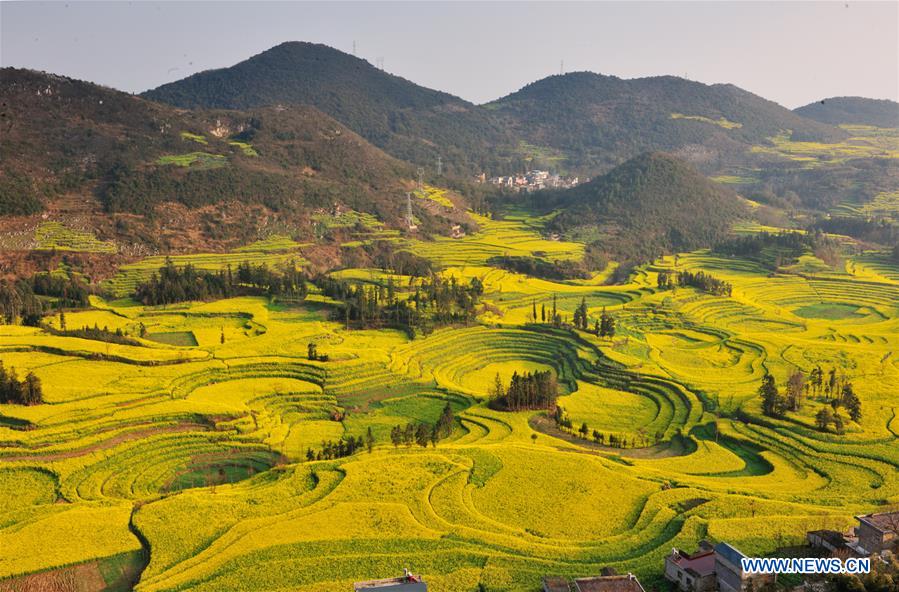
580	122
124	156
409	121
651	204
597	121
849	110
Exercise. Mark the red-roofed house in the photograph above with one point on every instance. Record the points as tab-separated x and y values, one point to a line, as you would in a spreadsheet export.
692	572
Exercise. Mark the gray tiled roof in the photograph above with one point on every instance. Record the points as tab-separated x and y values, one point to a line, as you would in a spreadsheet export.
729	553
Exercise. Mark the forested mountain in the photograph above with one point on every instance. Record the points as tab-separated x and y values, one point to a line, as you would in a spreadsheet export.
853	110
213	159
580	122
66	137
651	204
598	121
409	121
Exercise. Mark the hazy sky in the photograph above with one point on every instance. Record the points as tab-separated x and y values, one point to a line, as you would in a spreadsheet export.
793	53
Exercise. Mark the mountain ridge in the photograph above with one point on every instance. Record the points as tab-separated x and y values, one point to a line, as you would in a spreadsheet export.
853	110
124	157
541	124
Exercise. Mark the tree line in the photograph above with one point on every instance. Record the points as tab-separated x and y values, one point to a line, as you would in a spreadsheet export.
20	392
699	280
423	433
345	446
752	245
95	333
834	389
538	390
613	440
436	301
541	268
19	299
179	284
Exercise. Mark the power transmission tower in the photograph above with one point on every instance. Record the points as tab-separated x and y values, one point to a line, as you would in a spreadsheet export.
439	166
410	220
379	63
354	47
421	185
561	67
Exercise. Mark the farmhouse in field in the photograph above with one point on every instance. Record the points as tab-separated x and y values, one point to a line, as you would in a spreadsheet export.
874	534
729	571
606	583
405	583
711	569
877	532
832	542
692	572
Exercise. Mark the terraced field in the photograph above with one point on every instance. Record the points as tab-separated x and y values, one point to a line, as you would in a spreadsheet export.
272	251
193	453
511	236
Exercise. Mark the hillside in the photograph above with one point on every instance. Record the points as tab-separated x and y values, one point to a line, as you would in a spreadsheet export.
125	163
651	204
598	121
583	122
409	121
853	110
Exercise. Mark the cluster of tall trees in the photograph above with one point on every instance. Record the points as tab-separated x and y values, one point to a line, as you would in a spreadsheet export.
538	390
871	230
700	280
436	301
541	268
346	446
19	299
424	433
178	284
776	249
752	245
604	326
835	389
18	302
20	392
68	292
313	353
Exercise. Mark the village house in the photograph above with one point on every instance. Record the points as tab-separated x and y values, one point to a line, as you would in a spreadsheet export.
729	574
405	583
877	532
692	572
831	542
